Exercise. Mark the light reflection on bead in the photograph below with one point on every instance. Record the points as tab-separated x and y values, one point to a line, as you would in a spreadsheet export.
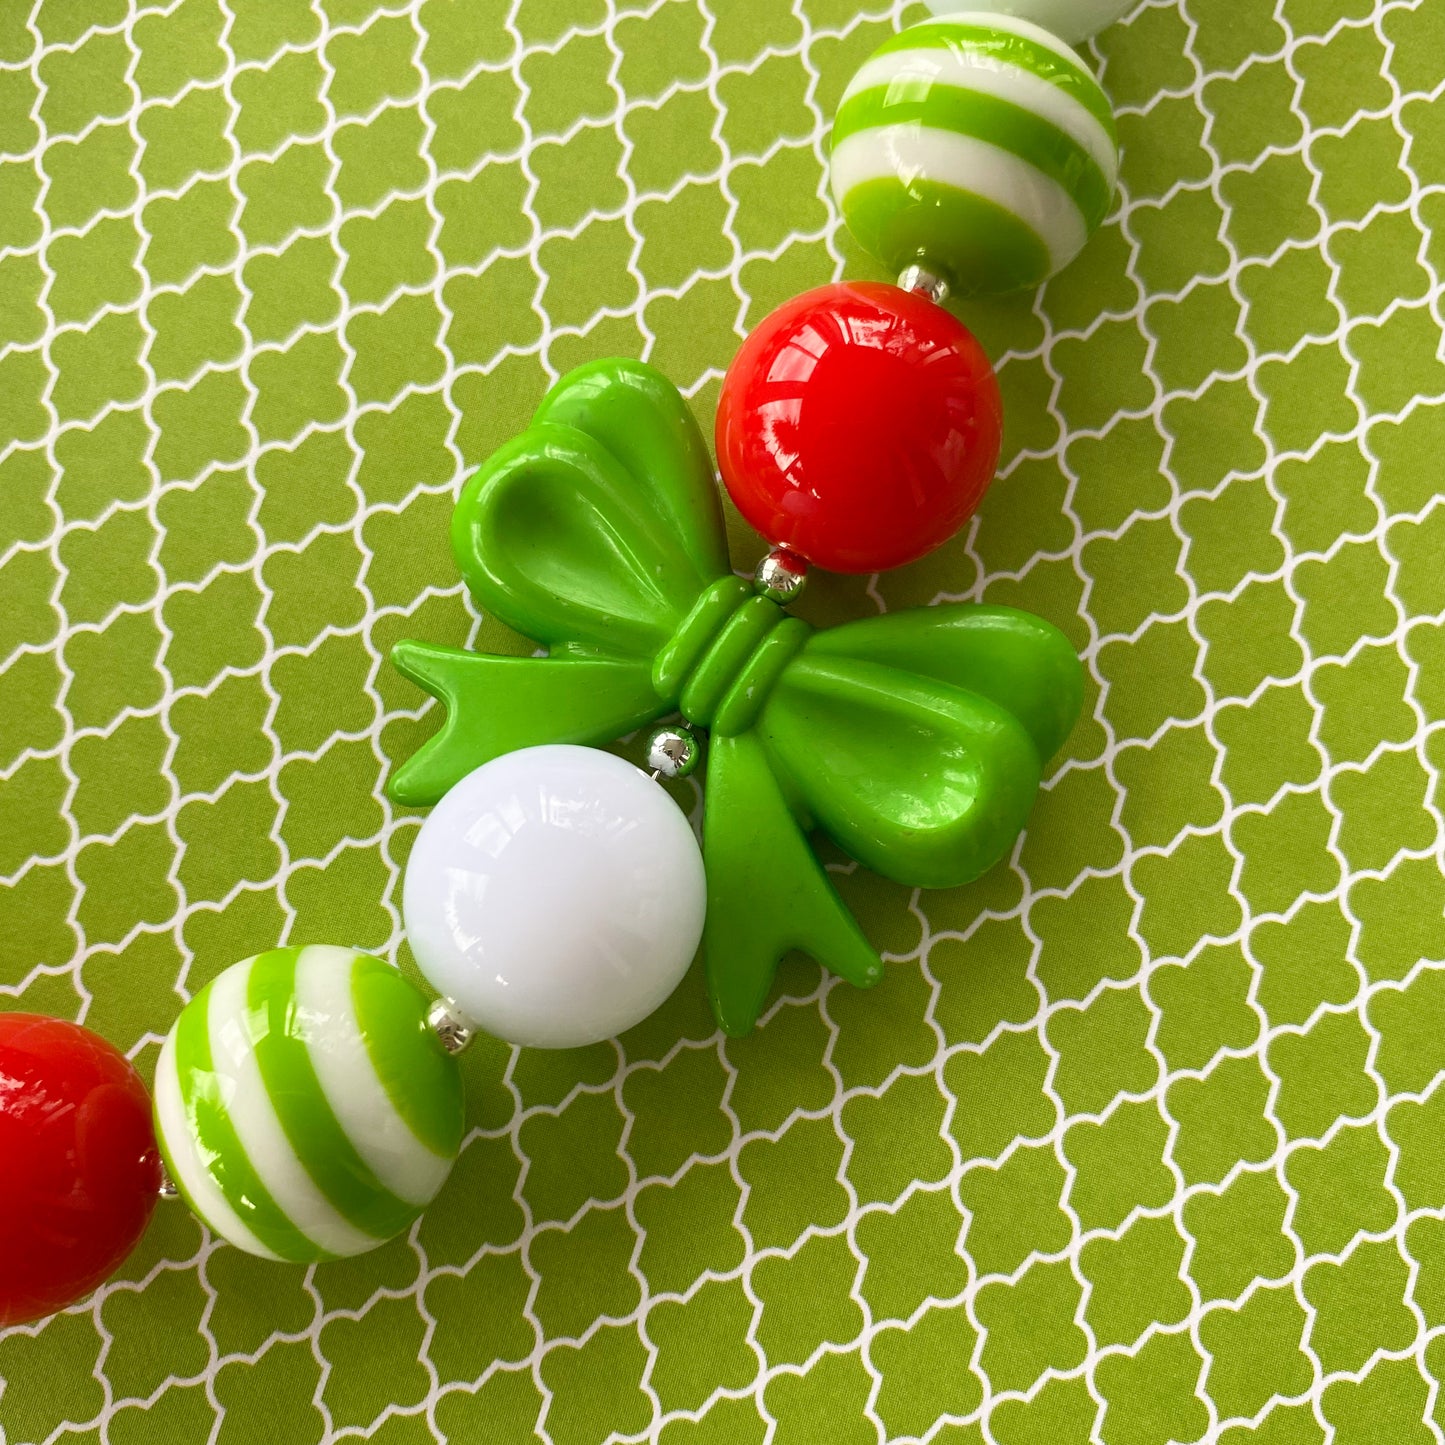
673	752
781	576
450	1025
925	283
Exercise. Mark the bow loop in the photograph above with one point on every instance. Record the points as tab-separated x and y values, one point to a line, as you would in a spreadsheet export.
639	416
920	781
916	740
597	528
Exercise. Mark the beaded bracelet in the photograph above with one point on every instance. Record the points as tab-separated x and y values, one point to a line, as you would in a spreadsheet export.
308	1102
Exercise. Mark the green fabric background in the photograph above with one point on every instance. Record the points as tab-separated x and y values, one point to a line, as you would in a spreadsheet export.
1137	1142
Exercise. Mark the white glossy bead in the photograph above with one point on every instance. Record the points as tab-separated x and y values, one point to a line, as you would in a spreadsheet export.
557	895
1071	20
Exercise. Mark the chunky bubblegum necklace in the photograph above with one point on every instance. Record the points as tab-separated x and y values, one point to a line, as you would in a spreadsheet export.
308	1102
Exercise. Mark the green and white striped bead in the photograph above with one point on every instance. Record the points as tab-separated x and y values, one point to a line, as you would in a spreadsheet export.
978	147
304	1107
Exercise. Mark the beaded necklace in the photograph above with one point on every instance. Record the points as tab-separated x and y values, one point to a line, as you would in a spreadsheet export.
308	1102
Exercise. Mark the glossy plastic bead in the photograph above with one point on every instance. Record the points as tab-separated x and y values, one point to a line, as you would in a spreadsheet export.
304	1105
556	894
1070	20
977	146
859	427
79	1168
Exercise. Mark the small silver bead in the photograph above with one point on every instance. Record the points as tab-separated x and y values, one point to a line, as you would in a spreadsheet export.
923	282
781	576
672	752
450	1025
168	1188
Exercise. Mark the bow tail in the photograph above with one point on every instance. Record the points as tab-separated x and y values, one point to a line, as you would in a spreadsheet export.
496	705
767	892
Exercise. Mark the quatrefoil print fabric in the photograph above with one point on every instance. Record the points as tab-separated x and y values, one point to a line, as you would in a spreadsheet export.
1141	1140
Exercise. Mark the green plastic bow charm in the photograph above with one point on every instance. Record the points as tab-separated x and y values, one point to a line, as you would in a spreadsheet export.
914	740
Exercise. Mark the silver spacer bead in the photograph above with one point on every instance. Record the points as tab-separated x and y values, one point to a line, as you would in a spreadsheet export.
672	752
923	282
781	576
450	1025
168	1189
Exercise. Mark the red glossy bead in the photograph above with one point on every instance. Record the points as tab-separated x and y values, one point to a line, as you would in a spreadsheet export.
859	426
78	1160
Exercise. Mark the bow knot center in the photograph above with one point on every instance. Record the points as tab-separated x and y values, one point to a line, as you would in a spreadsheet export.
721	663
